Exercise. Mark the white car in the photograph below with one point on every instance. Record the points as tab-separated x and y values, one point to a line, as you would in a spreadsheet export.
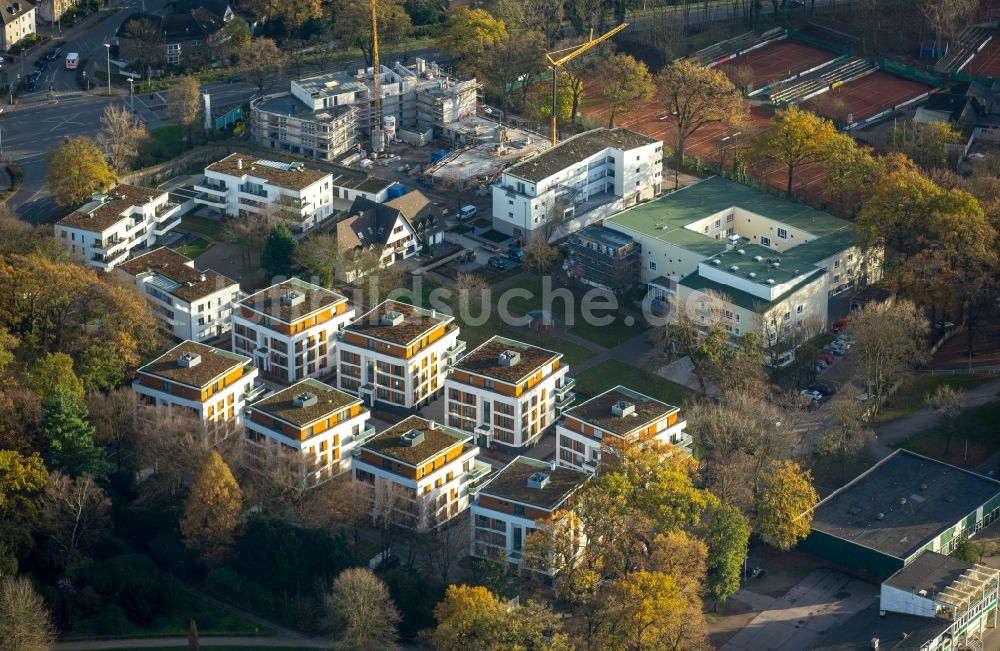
811	394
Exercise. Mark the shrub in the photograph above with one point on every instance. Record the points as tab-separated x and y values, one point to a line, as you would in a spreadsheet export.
144	599
113	621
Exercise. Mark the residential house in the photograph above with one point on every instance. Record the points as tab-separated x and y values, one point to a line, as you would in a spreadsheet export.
189	37
417	474
52	11
313	420
396	356
525	496
290	329
212	384
113	226
399	228
577	182
507	392
18	22
618	418
188	303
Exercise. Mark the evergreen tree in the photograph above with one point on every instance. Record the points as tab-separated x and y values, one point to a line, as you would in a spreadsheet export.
212	513
276	258
72	450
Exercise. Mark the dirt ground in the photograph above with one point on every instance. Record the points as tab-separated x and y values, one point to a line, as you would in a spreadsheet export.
985	344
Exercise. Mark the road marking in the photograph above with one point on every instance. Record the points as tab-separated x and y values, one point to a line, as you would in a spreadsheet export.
68	120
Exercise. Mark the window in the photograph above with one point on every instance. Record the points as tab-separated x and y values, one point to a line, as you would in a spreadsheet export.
729	219
705	230
718	223
836	264
800	309
765	241
836	279
652	266
782	234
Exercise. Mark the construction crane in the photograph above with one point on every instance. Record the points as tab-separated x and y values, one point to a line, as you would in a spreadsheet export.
573	52
377	142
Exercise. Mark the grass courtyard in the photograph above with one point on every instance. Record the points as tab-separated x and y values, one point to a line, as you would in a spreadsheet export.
973	438
611	373
193	248
913	395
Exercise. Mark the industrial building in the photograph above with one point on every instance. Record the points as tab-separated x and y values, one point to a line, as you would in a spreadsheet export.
902	507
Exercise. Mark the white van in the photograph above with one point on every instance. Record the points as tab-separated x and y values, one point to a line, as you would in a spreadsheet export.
466	212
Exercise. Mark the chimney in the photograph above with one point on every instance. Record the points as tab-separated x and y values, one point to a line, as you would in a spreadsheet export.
239	163
187	360
201	276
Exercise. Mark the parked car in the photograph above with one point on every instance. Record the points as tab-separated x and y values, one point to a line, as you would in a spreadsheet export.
35	76
827	357
497	263
514	254
811	394
405	167
42	65
30	87
466	212
825	389
821	365
944	325
54	54
839	326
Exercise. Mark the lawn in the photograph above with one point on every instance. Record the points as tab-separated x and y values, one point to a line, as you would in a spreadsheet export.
224	647
195	247
609	335
201	225
572	353
475	335
165	143
497	278
522	305
975	430
612	372
912	396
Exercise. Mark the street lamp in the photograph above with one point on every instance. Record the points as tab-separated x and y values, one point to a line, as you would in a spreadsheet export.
108	46
131	95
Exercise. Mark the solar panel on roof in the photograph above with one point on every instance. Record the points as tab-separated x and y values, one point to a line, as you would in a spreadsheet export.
164	283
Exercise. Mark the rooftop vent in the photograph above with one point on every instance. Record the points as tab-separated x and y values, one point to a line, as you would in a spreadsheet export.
902	501
509	358
716	261
734	268
305	399
187	360
751	275
239	163
293	298
623	408
201	276
99	196
391	318
538	480
922	592
770	281
296	167
880	516
757	258
412	438
741	251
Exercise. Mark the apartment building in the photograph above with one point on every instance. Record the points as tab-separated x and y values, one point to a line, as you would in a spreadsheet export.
722	252
212	383
601	257
397	356
239	185
312	419
104	232
526	495
18	23
417	474
188	303
507	392
577	182
617	418
290	330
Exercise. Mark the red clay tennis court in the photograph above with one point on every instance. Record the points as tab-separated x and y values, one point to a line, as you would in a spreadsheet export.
987	62
867	96
779	60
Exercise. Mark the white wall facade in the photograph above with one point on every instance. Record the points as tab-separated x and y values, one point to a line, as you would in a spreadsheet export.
579	451
205	318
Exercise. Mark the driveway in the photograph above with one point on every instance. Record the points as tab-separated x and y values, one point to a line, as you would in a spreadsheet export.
797	621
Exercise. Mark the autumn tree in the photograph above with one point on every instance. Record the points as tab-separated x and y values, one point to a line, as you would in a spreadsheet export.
121	136
726	531
54	371
622	79
648	610
21	421
212	513
22	480
927	144
260	60
77	169
507	63
695	96
353	24
279	251
682	556
946	16
360	612
184	101
142	44
850	168
849	430
472	617
794	138
170	443
948	403
113	415
523	15
75	512
25	622
467	35
318	256
784	512
71	449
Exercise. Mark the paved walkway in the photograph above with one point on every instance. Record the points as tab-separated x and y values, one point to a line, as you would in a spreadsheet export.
182	642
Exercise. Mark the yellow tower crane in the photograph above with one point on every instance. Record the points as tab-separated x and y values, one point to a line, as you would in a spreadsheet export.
573	52
377	142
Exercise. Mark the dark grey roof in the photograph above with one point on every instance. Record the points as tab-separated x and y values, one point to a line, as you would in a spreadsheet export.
918	498
930	571
575	149
218	7
605	236
895	632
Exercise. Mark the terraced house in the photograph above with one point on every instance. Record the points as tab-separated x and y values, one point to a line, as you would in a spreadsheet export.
397	356
519	499
211	383
617	418
189	304
417	474
507	392
311	419
290	329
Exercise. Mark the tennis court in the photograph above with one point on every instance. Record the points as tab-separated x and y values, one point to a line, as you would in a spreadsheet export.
870	95
778	61
987	62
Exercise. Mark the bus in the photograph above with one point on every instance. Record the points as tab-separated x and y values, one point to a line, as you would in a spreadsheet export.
72	60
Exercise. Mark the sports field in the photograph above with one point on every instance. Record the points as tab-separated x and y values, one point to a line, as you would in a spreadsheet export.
866	97
987	62
778	61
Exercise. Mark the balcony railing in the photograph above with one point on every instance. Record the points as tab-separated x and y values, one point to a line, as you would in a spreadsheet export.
208	185
567	384
252	189
454	351
255	392
565	400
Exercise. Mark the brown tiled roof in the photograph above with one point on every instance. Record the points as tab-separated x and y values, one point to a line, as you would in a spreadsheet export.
329	401
511	483
22	7
268	301
291	179
416	323
485	360
436	441
597	410
192	284
214	363
414	205
110	212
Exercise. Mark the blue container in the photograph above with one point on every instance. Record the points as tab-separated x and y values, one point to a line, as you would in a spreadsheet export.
438	155
396	190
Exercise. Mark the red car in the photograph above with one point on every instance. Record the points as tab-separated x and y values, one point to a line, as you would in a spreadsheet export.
839	326
827	357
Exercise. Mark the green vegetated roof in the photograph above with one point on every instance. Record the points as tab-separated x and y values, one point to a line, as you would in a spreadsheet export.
743	299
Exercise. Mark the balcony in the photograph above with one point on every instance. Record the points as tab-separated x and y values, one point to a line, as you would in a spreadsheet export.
255	392
160	229
567	385
590	466
451	354
108	244
477	476
253	190
563	401
211	186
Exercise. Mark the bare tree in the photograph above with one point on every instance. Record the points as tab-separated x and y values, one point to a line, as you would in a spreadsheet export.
184	102
366	269
539	255
473	291
113	416
360	612
445	546
945	16
25	623
121	137
319	257
74	512
948	402
248	231
260	60
849	430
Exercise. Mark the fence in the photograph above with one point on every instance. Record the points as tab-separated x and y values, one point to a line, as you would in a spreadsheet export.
909	72
818	42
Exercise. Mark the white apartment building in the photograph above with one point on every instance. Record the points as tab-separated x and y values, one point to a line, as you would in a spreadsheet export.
211	383
189	304
512	504
106	231
617	418
578	181
290	330
18	22
397	356
240	184
313	420
507	392
418	473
